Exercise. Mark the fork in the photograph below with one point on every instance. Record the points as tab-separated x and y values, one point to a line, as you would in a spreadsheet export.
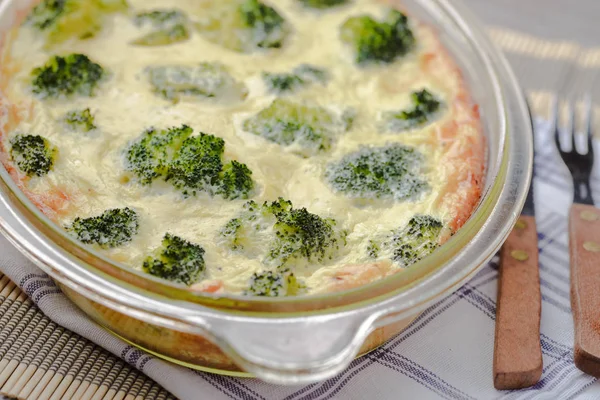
584	243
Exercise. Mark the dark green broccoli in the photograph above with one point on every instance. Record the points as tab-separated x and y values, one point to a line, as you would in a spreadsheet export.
235	180
190	163
74	74
112	228
33	154
302	234
274	284
197	165
424	109
177	260
417	240
322	3
242	25
301	76
232	231
207	80
62	20
411	243
392	171
373	249
288	234
373	41
149	157
168	27
80	120
305	128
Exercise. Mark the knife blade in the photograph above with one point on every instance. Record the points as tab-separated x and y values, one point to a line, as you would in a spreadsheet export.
517	350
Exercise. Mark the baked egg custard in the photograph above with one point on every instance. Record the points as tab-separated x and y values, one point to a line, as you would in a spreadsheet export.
264	148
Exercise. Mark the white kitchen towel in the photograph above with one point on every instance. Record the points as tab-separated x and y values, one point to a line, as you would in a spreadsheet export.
445	353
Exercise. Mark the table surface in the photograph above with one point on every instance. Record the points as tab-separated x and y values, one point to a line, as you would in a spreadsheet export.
555	20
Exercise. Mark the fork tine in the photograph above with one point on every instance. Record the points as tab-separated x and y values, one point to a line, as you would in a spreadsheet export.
555	122
572	125
588	125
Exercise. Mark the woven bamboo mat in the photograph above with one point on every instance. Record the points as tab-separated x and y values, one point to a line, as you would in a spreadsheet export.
43	361
40	360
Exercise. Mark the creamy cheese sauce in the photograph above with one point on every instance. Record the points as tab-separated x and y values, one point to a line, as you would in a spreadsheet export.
90	169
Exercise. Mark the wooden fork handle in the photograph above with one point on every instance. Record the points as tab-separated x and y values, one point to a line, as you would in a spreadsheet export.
517	348
584	234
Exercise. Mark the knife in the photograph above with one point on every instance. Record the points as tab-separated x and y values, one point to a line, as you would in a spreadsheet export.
517	349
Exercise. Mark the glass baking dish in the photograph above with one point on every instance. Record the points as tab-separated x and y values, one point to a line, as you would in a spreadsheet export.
297	339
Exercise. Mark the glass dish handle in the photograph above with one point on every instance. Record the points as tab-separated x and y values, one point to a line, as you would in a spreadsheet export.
295	351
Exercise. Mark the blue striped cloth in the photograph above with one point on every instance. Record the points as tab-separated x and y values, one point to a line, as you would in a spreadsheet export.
446	353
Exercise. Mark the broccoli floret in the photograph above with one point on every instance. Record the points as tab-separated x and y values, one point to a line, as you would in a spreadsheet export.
177	260
231	231
417	240
168	27
207	80
236	179
274	284
242	25
393	171
268	284
307	129
282	83
424	108
322	3
62	20
33	154
301	233
248	228
301	76
74	74
373	249
266	24
80	120
190	163
285	232
411	243
149	156
197	165
45	14
373	41
112	228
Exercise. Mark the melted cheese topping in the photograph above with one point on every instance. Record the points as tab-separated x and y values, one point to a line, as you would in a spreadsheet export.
88	174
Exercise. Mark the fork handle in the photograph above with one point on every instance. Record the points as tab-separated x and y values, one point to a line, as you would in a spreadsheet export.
584	234
517	349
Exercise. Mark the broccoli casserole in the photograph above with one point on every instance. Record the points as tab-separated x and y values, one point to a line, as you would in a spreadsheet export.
266	148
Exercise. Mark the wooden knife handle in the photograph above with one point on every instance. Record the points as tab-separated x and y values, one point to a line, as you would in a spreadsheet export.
517	348
584	234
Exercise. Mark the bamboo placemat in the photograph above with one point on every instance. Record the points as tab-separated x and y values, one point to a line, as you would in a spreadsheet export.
43	361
